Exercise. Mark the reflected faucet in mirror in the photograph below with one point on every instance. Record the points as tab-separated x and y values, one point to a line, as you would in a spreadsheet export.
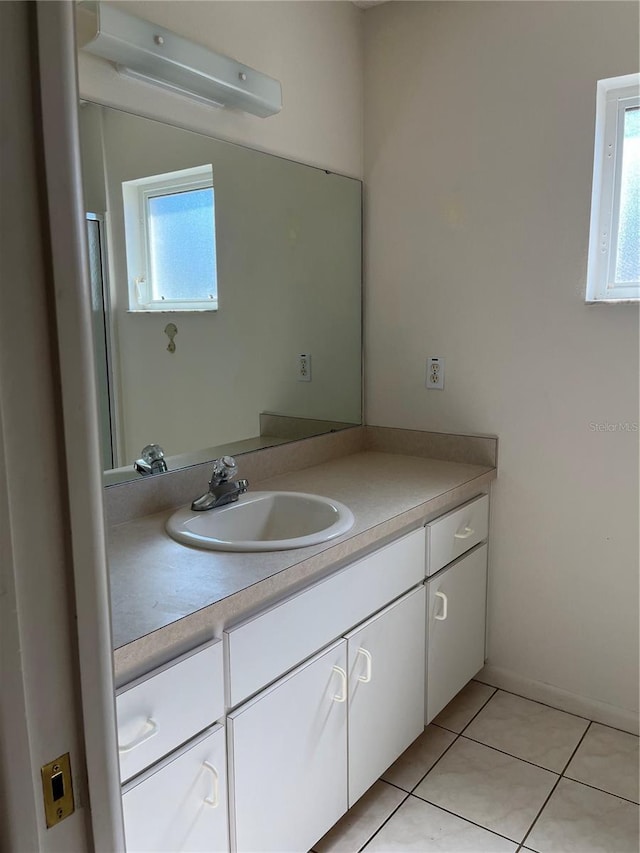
151	461
222	488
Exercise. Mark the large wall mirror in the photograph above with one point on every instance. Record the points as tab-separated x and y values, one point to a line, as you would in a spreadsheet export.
226	292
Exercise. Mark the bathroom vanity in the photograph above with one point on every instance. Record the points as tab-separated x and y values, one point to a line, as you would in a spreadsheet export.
255	720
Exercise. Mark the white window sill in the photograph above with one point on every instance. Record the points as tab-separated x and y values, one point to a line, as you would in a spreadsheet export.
172	310
612	301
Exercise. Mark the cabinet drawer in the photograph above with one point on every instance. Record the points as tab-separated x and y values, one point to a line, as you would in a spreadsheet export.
451	535
263	648
181	803
166	707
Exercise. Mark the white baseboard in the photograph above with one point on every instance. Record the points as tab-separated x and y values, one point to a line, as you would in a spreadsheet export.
592	709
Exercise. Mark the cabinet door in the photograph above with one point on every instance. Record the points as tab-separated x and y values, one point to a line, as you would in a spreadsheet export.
456	628
386	689
180	803
288	758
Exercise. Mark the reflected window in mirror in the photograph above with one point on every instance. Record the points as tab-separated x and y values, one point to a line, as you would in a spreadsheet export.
170	241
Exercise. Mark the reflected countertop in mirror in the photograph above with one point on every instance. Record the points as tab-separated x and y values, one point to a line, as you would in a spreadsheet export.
278	356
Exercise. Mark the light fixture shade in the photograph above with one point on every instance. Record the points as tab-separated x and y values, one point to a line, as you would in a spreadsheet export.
159	56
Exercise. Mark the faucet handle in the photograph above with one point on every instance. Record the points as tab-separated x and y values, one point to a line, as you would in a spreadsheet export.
223	469
151	460
152	453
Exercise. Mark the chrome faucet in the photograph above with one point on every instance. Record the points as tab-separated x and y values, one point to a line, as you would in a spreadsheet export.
222	489
151	460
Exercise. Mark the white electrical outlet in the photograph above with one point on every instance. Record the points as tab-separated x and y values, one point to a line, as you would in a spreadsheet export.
304	367
435	373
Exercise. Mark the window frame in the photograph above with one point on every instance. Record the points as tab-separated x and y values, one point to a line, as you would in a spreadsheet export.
136	194
614	96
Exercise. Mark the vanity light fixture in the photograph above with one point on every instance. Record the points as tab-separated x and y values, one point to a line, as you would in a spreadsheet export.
156	55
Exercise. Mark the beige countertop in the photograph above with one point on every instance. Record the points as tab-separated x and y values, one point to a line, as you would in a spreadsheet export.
166	597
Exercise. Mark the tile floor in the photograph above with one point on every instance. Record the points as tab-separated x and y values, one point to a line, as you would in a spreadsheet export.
498	773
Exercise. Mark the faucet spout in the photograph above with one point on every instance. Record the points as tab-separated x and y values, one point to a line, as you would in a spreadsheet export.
222	489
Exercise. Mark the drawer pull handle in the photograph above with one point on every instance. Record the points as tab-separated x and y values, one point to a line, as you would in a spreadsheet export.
445	607
213	801
366	678
466	533
149	730
342	696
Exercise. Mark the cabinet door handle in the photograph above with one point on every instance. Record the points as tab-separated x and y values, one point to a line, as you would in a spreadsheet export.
366	678
445	607
213	801
466	533
149	729
342	696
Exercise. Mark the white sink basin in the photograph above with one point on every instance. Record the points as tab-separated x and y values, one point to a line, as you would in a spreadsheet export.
263	521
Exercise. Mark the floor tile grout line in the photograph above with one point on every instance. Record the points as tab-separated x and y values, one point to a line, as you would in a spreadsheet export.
444	728
554	708
386	821
542	808
432	766
403	800
601	790
466	819
481	708
479	711
438	759
571	757
394	785
586	784
517	757
544	805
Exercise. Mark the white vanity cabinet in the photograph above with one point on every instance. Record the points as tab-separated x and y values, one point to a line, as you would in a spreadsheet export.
302	751
323	691
305	750
456	601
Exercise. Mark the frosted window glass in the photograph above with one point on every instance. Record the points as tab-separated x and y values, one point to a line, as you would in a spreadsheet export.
628	254
182	245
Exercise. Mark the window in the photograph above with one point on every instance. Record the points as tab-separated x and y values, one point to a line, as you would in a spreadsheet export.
613	272
170	238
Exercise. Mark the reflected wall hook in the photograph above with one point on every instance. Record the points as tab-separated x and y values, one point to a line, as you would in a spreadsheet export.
171	330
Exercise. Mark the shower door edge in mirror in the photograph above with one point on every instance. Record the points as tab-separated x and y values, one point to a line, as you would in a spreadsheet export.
260	344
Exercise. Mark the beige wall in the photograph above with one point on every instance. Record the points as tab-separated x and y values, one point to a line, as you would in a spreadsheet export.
313	48
478	154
